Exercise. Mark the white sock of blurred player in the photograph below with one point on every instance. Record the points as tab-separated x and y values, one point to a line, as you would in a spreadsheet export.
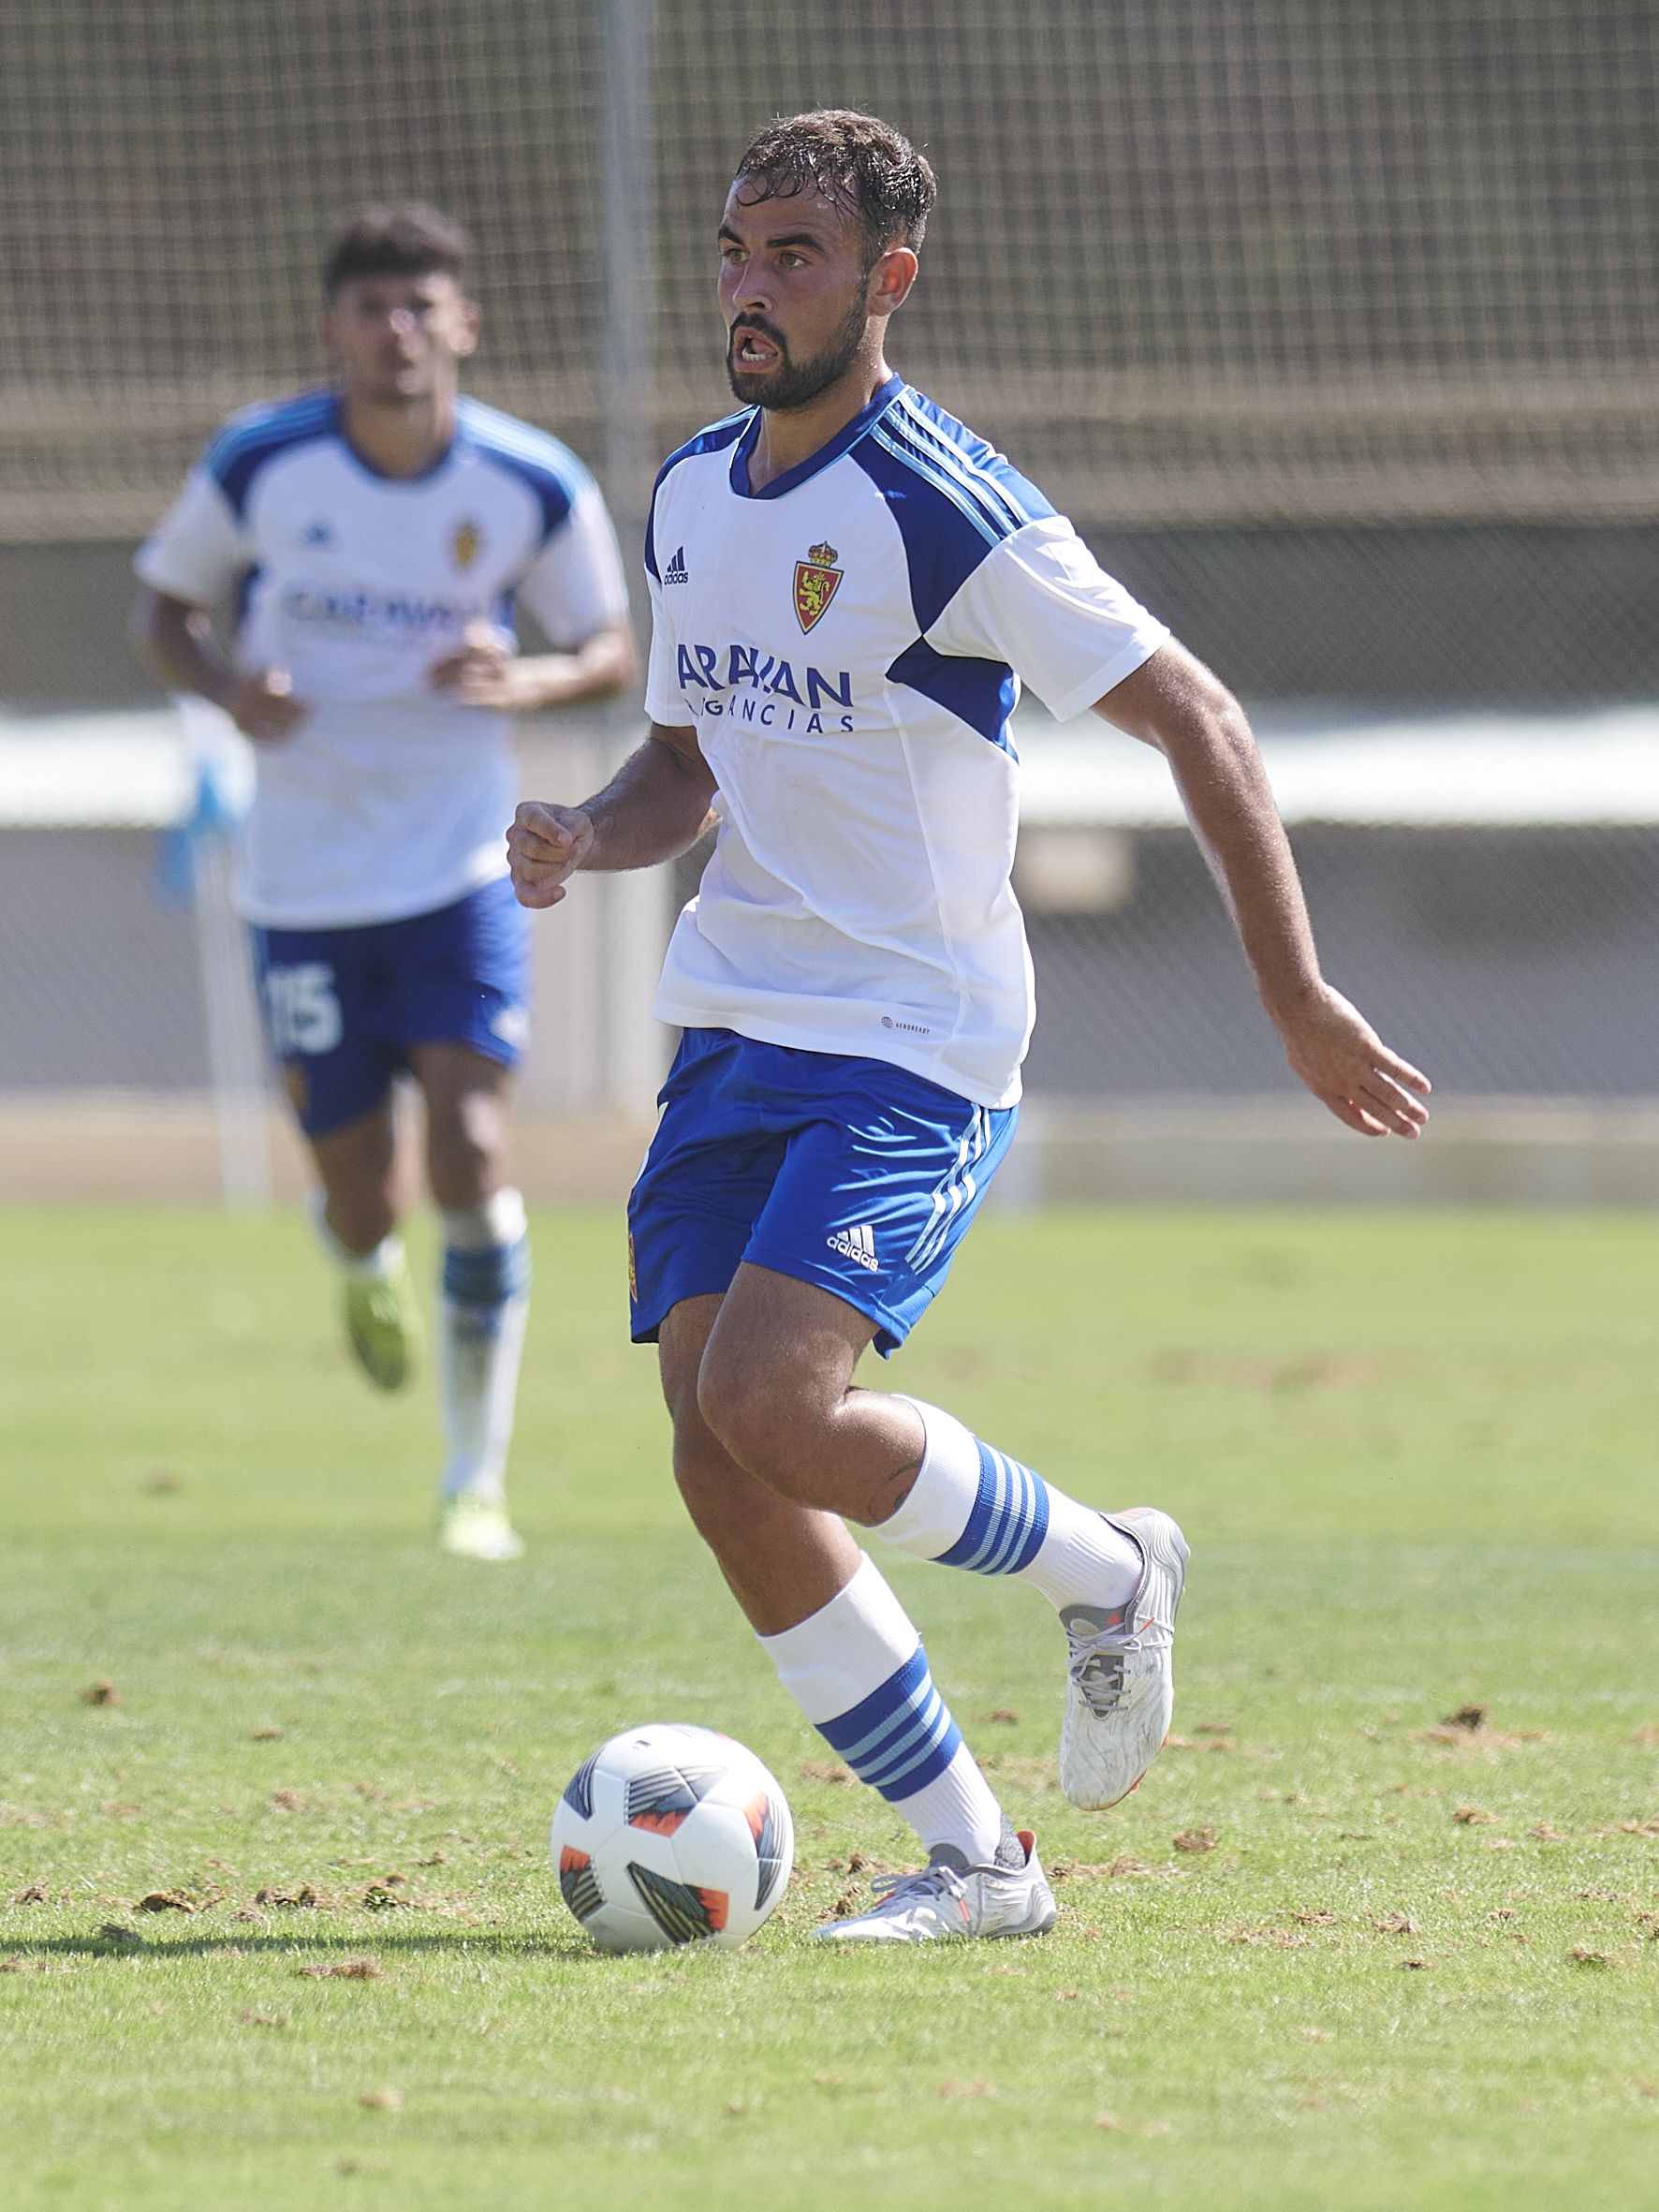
376	1266
482	1313
858	1671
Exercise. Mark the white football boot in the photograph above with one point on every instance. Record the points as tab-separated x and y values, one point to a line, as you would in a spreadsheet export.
950	1900
473	1527
1120	1690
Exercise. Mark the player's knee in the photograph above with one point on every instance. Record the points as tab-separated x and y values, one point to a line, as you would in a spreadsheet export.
770	1429
361	1219
465	1152
734	1406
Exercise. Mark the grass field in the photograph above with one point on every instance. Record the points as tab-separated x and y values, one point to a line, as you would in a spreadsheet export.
1335	1952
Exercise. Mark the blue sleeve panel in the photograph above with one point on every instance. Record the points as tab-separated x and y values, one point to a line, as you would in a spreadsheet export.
712	440
551	470
249	440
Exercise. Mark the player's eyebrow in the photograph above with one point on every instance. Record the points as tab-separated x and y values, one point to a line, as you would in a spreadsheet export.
788	237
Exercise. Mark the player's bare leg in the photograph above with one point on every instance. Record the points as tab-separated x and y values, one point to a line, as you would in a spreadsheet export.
775	1387
485	1299
356	1219
358	1169
783	1561
849	1656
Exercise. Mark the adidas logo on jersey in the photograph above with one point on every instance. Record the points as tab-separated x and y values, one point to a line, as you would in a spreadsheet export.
675	571
857	1245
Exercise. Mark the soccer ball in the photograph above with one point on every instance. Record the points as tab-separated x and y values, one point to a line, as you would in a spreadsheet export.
670	1834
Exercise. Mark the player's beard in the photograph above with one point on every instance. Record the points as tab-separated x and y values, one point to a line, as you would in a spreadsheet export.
792	383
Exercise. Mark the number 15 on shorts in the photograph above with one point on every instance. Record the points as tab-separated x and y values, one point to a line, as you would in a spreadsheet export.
302	1010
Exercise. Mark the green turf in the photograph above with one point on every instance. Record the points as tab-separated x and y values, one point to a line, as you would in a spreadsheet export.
1417	1461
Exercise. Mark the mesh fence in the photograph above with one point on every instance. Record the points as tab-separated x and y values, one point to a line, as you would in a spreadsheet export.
1507	963
1513	964
1332	326
1258	259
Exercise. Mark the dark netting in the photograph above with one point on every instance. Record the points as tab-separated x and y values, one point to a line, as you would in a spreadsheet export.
1235	260
1332	325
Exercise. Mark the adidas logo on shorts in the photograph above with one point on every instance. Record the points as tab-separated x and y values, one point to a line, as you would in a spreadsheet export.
857	1245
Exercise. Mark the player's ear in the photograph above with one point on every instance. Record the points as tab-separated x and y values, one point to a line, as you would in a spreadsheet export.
891	279
467	319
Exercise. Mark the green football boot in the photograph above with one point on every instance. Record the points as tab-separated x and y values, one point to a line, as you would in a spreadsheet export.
383	1326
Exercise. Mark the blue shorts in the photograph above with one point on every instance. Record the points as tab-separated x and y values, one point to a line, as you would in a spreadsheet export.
842	1172
343	1005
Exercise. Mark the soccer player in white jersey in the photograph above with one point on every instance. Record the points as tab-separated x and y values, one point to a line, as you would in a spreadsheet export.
380	531
849	588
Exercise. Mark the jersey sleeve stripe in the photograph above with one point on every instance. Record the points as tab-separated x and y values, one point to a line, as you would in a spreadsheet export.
494	431
548	469
921	465
979	481
946	467
248	442
552	459
949	456
273	418
540	463
994	475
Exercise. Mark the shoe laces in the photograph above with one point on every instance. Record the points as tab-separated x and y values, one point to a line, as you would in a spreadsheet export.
1097	1668
928	1881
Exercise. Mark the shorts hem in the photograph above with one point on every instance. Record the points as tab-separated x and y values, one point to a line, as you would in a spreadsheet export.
497	1048
332	1122
497	1052
646	1321
891	1328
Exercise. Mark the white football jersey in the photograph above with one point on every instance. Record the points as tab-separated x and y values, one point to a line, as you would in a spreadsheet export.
388	799
848	643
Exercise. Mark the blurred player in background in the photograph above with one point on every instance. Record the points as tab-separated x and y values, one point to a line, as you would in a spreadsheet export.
848	588
379	532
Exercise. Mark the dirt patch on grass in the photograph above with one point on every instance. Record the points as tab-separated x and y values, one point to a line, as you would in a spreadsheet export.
1125	1869
1281	1378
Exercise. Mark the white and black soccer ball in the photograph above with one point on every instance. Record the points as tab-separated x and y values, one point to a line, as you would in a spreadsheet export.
671	1835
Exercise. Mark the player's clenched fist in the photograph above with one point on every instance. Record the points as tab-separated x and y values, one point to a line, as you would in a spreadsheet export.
486	673
545	848
263	705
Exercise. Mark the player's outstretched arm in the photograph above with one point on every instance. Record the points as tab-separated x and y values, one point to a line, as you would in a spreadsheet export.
176	640
652	809
1173	702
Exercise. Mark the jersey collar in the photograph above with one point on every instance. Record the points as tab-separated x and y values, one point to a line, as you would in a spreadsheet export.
844	439
378	476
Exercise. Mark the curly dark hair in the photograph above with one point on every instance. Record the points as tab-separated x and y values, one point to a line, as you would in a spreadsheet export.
408	240
855	161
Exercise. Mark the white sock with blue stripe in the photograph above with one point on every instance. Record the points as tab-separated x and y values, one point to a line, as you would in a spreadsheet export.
858	1671
973	1506
482	1313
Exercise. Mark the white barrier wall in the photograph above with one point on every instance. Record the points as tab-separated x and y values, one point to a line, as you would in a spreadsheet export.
1489	894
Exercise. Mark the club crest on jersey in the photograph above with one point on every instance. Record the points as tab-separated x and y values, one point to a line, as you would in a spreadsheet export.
817	580
465	541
